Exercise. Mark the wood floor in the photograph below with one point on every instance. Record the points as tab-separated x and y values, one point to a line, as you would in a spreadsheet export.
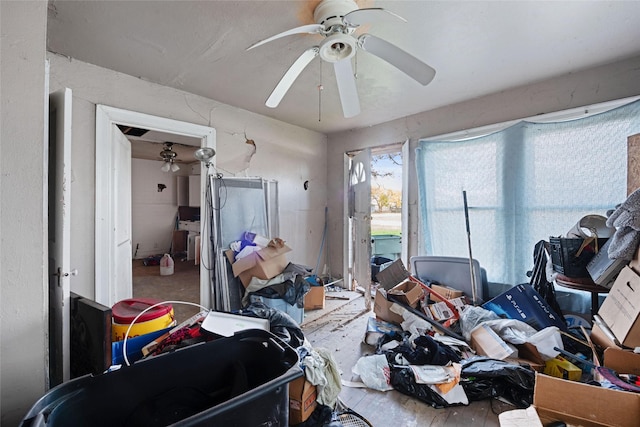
183	285
339	328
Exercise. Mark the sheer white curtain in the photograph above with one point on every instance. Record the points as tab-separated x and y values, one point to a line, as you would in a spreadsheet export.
524	184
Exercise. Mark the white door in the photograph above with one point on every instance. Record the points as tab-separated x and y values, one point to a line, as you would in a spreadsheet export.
360	213
122	246
59	235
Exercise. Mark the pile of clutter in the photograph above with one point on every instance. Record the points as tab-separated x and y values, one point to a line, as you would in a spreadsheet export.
275	293
261	266
431	343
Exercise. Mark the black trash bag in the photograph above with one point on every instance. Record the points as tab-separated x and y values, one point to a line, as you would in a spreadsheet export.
320	417
403	380
427	351
484	378
389	336
292	289
281	324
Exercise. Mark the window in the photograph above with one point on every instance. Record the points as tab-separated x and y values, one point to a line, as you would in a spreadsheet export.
523	184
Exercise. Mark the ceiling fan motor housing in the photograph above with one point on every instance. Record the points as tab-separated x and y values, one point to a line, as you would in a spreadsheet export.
168	154
330	12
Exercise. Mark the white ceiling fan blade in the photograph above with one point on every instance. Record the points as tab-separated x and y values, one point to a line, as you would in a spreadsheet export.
369	15
347	88
397	57
290	76
305	29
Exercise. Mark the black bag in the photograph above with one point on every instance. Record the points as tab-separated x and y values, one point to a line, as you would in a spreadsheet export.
484	378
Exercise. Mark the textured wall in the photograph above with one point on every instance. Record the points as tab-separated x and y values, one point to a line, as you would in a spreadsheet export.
286	153
23	244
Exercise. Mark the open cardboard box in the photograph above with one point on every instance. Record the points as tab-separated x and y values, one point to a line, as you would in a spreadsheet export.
585	405
302	400
265	264
621	307
407	292
622	361
382	308
446	292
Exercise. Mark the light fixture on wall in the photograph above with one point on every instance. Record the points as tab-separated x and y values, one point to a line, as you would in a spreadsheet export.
205	154
169	157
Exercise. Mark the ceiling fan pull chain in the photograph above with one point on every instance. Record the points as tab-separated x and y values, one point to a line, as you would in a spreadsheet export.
320	89
355	71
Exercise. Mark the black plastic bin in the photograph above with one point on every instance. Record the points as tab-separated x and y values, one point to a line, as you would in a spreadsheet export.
237	381
376	263
563	255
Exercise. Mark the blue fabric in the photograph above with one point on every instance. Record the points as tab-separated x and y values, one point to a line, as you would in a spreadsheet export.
524	183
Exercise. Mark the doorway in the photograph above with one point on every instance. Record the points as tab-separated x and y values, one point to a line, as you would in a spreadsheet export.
164	219
377	211
114	246
386	208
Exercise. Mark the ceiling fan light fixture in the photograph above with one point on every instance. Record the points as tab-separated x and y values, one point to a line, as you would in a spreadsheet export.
174	167
337	47
165	167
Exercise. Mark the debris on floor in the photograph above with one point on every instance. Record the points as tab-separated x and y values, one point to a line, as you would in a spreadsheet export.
513	347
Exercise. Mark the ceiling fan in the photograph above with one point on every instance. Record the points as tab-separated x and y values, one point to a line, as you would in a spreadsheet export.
169	156
337	20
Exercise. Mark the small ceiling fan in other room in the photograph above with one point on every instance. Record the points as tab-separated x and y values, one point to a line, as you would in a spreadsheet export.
337	20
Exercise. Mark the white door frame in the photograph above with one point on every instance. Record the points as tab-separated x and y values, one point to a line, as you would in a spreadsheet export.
106	118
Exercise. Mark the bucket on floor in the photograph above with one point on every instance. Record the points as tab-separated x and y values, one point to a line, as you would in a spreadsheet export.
125	311
166	265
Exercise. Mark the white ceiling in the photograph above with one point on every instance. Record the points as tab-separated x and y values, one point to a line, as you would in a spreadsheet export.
476	47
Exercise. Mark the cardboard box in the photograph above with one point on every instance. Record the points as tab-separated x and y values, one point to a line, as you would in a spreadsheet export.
314	299
528	354
264	264
621	308
581	404
407	292
382	308
601	338
622	361
446	292
523	303
487	343
302	400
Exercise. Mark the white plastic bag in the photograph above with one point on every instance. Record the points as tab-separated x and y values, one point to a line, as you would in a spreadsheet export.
374	372
545	340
